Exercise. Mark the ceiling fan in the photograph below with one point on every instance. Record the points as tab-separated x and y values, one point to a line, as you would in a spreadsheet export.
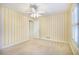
35	13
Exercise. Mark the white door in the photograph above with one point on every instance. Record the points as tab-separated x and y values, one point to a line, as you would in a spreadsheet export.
36	29
31	28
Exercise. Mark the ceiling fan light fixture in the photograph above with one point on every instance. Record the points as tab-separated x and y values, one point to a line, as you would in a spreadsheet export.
35	15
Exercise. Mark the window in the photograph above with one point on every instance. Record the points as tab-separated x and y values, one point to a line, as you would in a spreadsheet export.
75	24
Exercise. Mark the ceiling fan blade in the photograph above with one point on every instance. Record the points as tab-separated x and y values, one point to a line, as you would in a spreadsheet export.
28	12
41	12
33	10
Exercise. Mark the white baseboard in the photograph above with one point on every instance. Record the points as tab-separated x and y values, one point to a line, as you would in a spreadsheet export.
16	43
74	48
55	40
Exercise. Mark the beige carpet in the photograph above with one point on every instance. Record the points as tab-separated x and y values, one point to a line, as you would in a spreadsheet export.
41	47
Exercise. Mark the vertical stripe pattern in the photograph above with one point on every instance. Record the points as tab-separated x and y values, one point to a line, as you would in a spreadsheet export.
54	27
16	27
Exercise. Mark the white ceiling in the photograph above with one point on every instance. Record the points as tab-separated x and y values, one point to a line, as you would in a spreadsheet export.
48	8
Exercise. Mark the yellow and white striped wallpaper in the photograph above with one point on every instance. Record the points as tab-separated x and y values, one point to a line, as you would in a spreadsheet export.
54	27
16	27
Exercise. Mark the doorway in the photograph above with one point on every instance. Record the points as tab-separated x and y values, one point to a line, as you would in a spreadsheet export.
34	28
31	28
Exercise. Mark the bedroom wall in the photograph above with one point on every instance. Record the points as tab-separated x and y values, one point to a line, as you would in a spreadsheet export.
54	27
15	27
